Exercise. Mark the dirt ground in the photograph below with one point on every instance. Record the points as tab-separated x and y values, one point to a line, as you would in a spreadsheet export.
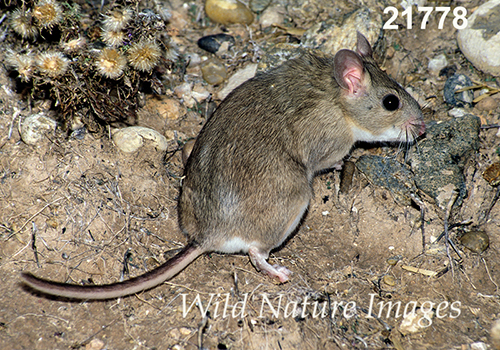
82	211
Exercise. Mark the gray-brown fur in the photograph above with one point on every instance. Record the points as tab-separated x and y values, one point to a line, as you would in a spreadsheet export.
248	179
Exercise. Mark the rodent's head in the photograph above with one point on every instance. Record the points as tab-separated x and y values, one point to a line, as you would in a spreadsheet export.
376	106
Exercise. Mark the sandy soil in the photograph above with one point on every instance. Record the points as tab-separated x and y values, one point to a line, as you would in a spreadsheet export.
81	211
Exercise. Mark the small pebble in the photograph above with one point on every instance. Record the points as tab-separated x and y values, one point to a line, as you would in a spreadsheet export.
393	260
487	104
95	344
389	280
437	63
415	322
476	241
492	174
35	127
212	43
457	82
272	15
79	133
479	346
213	71
194	59
132	138
185	331
184	92
228	12
199	93
457	112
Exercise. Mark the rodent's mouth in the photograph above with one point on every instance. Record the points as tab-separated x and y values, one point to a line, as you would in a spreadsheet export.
413	128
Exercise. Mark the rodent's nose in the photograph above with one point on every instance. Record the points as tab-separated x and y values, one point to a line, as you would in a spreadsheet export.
421	129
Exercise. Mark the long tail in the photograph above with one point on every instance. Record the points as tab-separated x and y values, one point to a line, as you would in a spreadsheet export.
115	290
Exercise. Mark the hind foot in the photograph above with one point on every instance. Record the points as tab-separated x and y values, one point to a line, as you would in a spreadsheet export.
258	259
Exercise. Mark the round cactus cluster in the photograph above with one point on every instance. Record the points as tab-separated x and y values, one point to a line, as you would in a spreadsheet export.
92	63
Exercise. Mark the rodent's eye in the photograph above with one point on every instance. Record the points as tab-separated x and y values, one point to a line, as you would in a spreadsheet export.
390	102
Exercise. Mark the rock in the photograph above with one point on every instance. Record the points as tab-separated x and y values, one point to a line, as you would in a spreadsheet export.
95	344
194	59
492	174
212	43
185	331
228	12
213	71
487	104
457	112
480	39
329	38
132	138
437	63
184	92
454	83
437	169
35	127
438	165
199	93
272	15
416	321
389	280
393	260
237	79
476	241
479	346
389	174
79	133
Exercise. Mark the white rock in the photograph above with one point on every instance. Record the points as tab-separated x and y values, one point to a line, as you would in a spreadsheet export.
184	92
272	15
35	127
199	93
480	40
409	3
478	346
437	63
457	112
415	322
194	59
132	138
237	79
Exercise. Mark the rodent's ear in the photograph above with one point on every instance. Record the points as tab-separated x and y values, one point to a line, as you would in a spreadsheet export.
363	46
349	71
